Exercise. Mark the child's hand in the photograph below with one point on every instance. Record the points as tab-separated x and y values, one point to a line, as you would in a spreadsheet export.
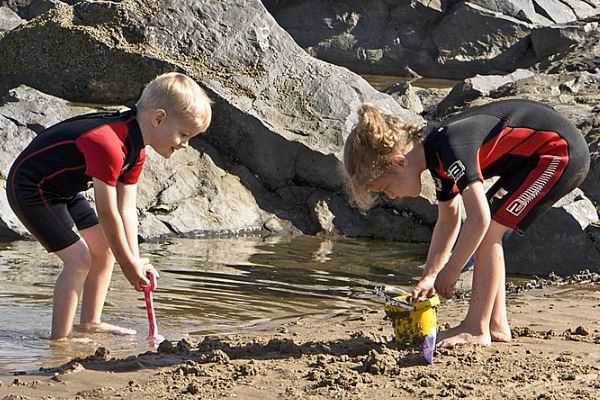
424	288
136	273
445	282
149	268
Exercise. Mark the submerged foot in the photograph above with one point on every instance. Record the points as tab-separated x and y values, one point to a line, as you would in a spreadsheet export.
461	335
103	327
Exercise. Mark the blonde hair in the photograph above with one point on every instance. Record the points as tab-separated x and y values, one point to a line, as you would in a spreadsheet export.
180	95
369	149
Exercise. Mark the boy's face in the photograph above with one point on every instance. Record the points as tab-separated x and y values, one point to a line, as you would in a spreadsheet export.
397	181
170	133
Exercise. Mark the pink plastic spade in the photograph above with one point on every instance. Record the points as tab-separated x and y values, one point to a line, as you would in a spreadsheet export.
153	335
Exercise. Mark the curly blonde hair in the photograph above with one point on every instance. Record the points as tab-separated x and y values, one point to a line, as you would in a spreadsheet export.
369	149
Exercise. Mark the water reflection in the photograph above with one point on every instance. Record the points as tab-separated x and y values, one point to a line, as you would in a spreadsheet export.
206	286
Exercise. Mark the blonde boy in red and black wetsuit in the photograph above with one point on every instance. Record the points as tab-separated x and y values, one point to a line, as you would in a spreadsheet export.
538	157
104	151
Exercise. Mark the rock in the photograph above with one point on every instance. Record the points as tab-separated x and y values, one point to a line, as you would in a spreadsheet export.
541	249
324	216
166	347
581	331
593	232
555	39
102	353
279	114
465	281
406	95
452	39
40	7
568	47
493	86
590	186
9	20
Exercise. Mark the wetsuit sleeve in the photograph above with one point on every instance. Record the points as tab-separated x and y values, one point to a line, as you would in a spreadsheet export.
104	155
132	176
445	189
458	156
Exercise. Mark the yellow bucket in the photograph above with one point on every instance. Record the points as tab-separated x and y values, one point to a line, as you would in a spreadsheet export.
414	323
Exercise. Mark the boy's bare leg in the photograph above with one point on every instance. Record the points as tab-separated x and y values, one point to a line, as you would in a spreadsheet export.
68	286
97	283
488	274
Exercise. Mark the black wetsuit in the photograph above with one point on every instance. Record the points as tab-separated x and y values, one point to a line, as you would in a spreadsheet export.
538	155
45	182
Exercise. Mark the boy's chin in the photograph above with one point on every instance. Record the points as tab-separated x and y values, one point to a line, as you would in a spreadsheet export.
166	153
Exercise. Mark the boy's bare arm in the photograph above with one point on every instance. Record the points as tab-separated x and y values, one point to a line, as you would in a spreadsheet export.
471	235
114	229
126	201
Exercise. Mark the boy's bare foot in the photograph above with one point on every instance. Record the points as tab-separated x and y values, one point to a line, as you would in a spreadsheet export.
460	335
103	327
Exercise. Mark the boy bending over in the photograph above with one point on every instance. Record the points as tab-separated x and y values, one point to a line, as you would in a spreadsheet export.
103	150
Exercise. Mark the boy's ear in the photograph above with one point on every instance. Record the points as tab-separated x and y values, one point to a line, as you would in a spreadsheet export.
399	160
159	117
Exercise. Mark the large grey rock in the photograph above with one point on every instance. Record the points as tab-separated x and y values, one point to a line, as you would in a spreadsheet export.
452	39
280	116
275	106
189	193
557	242
473	38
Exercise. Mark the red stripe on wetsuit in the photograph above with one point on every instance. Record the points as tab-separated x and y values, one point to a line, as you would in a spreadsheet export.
553	153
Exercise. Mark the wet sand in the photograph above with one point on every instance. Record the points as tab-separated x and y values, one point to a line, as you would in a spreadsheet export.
350	355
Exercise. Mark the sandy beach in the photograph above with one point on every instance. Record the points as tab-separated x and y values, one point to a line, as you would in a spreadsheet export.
351	355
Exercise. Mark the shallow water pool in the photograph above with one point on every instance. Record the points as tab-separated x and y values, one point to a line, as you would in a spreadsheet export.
206	286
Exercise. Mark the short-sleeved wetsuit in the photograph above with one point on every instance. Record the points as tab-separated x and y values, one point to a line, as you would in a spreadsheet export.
46	180
538	155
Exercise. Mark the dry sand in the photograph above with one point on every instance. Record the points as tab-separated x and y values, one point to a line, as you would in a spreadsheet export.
349	355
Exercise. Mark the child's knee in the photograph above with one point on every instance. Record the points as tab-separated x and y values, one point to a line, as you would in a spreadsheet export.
79	261
101	253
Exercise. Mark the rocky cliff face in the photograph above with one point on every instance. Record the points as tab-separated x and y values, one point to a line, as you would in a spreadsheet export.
441	38
280	115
